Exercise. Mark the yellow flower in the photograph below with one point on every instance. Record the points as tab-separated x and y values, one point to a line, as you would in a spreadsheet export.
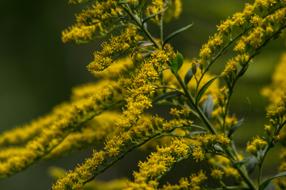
117	146
159	163
121	44
217	173
255	145
96	18
71	117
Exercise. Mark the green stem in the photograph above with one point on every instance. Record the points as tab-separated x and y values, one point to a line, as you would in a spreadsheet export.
228	150
162	28
138	21
270	145
203	117
193	104
216	57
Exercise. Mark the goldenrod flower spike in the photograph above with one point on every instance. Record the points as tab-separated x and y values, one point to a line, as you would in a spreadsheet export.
22	134
120	67
116	147
75	115
87	90
90	135
143	85
231	29
95	19
158	164
117	45
222	167
117	184
276	112
265	30
94	133
277	89
255	145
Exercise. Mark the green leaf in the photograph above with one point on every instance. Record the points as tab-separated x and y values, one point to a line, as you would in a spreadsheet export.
251	163
167	95
172	35
270	187
177	63
189	75
204	89
243	70
264	185
218	148
195	67
208	106
235	127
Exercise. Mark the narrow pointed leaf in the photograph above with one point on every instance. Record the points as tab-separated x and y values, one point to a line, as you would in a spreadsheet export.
172	35
188	77
204	89
251	163
264	185
177	63
243	70
235	127
208	106
167	95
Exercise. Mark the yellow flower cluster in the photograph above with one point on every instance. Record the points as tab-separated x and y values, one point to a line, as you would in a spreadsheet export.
222	168
203	144
96	18
70	118
255	145
118	184
144	83
117	46
237	25
176	5
158	164
116	146
172	9
248	45
276	112
22	134
117	69
194	182
88	90
93	133
276	93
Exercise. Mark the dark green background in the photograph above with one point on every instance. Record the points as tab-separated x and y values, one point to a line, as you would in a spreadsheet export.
37	71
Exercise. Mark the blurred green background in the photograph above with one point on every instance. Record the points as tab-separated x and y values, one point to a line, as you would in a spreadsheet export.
37	71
